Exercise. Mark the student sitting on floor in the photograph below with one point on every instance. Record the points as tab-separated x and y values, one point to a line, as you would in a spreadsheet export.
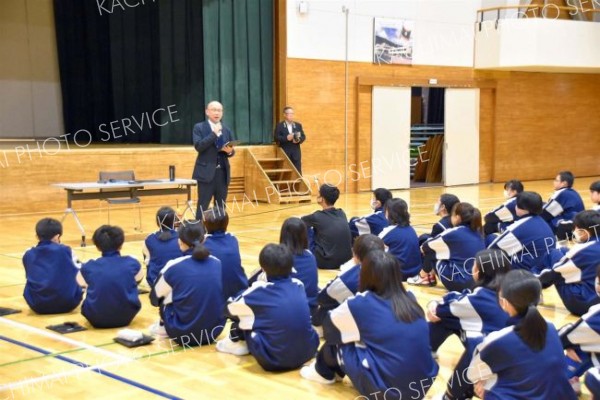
441	208
471	315
379	338
226	248
162	245
524	360
499	218
189	292
50	271
272	318
581	341
345	285
374	222
595	195
562	206
528	241
329	236
294	236
400	238
112	298
575	272
452	252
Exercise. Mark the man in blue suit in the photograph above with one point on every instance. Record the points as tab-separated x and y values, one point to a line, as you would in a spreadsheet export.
212	171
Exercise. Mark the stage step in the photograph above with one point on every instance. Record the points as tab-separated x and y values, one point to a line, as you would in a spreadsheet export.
276	172
274	159
237	185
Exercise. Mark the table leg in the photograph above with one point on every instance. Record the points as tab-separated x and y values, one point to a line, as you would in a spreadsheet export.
77	221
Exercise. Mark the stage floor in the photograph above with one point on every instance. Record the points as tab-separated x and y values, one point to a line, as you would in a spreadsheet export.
30	365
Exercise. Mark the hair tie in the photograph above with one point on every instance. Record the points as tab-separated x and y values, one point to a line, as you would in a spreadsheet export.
196	243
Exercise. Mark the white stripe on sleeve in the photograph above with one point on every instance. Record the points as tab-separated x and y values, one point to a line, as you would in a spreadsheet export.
442	251
344	321
243	312
338	290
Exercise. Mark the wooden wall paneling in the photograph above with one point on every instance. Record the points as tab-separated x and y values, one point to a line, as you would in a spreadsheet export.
26	183
545	123
363	137
486	134
553	114
279	58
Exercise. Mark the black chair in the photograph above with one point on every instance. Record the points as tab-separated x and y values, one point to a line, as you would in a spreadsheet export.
121	176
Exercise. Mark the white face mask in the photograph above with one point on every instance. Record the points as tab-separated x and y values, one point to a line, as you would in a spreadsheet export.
436	208
506	195
374	204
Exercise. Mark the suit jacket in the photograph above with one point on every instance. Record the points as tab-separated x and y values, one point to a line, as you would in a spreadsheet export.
205	144
281	132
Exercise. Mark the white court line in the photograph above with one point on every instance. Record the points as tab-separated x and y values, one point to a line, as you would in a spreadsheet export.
56	376
63	339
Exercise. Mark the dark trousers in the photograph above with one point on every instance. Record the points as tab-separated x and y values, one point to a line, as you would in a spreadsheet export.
216	188
327	363
295	157
458	387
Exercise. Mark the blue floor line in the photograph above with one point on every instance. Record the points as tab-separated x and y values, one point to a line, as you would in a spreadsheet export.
98	371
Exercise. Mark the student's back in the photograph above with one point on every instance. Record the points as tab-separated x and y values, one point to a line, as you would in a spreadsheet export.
528	242
403	243
392	353
160	252
305	270
332	238
522	373
564	204
282	337
226	248
193	312
50	271
455	250
112	298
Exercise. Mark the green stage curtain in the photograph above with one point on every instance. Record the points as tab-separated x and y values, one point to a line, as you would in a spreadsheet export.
238	65
126	62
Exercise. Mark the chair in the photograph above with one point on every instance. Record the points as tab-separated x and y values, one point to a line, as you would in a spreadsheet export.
118	176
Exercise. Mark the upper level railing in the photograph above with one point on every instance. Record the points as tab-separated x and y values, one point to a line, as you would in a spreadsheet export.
547	11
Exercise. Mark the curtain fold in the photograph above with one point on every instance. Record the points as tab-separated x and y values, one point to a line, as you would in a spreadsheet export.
238	67
126	63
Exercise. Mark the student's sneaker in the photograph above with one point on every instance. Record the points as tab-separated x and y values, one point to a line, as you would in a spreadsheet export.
229	346
422	280
158	330
576	385
309	372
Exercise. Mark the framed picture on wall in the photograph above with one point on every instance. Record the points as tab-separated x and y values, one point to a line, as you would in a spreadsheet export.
393	41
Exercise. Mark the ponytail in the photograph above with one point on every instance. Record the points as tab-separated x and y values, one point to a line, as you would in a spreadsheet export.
165	236
532	328
469	216
200	252
192	233
522	290
475	224
165	219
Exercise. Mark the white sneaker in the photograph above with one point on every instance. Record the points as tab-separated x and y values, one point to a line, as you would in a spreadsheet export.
158	330
576	385
236	348
319	330
309	372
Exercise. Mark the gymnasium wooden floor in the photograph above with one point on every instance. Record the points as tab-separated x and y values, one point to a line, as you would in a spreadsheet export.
37	363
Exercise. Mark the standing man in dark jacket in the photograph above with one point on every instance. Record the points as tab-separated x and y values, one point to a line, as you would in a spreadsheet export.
212	170
290	136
